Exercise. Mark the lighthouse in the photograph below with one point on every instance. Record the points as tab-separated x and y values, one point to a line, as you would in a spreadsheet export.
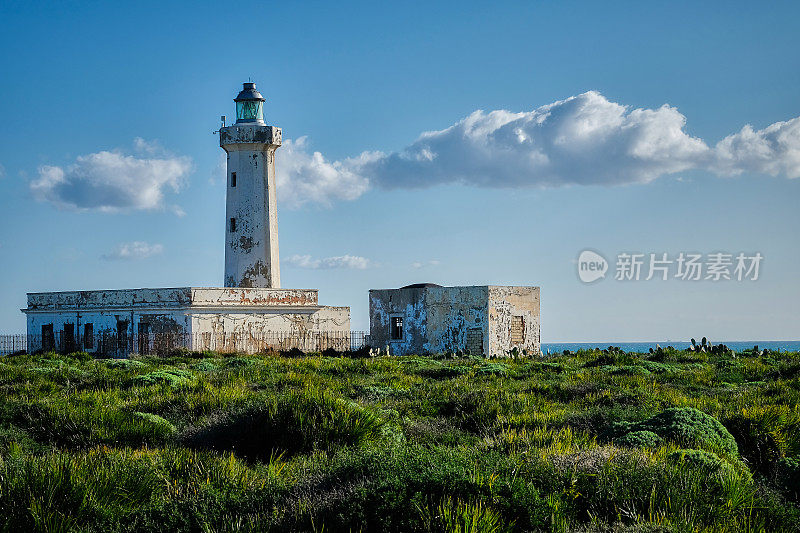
249	314
251	218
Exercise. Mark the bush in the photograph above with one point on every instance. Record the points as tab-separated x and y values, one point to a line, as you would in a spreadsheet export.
238	362
205	366
170	377
409	488
496	369
81	425
292	423
687	427
158	425
639	439
124	364
706	463
787	477
764	435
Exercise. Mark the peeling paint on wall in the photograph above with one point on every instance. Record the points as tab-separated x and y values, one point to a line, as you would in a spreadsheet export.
251	234
452	319
195	311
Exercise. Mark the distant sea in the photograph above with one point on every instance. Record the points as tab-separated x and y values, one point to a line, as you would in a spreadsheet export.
737	346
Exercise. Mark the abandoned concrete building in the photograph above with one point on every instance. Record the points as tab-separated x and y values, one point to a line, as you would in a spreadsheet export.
250	313
485	320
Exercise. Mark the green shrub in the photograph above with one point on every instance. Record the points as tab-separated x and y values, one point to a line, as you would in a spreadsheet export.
238	362
400	489
13	437
497	369
639	439
81	425
707	463
765	434
124	364
687	427
170	377
158	424
205	366
787	477
293	422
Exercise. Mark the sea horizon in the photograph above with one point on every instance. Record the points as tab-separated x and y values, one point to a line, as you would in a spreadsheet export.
644	346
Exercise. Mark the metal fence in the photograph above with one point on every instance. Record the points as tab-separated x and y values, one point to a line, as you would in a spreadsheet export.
115	344
13	343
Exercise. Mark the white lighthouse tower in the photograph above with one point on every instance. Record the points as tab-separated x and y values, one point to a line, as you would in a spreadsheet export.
251	220
249	314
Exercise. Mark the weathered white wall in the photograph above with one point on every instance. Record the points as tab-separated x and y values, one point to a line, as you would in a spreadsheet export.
203	314
439	319
435	319
408	303
251	252
505	303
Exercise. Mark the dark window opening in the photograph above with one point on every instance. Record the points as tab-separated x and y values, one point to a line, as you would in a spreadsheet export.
396	329
48	339
233	225
233	179
122	335
144	338
88	336
69	338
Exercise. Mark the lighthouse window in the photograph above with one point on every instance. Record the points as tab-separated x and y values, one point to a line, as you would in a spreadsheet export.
233	179
249	110
233	225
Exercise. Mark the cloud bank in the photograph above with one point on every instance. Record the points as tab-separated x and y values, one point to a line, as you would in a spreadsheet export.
114	181
128	251
352	262
582	140
305	176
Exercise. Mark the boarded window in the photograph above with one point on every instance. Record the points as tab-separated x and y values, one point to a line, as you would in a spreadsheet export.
88	336
233	179
396	328
233	225
517	330
69	338
122	336
144	338
475	341
48	339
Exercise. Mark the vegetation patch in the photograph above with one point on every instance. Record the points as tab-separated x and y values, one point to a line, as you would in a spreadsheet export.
596	440
291	423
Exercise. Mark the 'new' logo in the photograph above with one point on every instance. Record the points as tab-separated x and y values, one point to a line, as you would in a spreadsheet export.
591	266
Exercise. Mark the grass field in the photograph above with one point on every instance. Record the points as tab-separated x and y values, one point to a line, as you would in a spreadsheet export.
593	441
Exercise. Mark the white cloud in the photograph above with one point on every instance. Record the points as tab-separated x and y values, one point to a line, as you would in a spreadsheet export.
133	250
114	181
422	264
582	140
775	150
308	177
352	262
219	174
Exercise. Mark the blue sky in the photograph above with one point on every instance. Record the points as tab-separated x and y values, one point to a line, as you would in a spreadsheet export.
111	174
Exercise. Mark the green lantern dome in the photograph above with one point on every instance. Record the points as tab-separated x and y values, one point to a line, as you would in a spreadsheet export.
249	105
